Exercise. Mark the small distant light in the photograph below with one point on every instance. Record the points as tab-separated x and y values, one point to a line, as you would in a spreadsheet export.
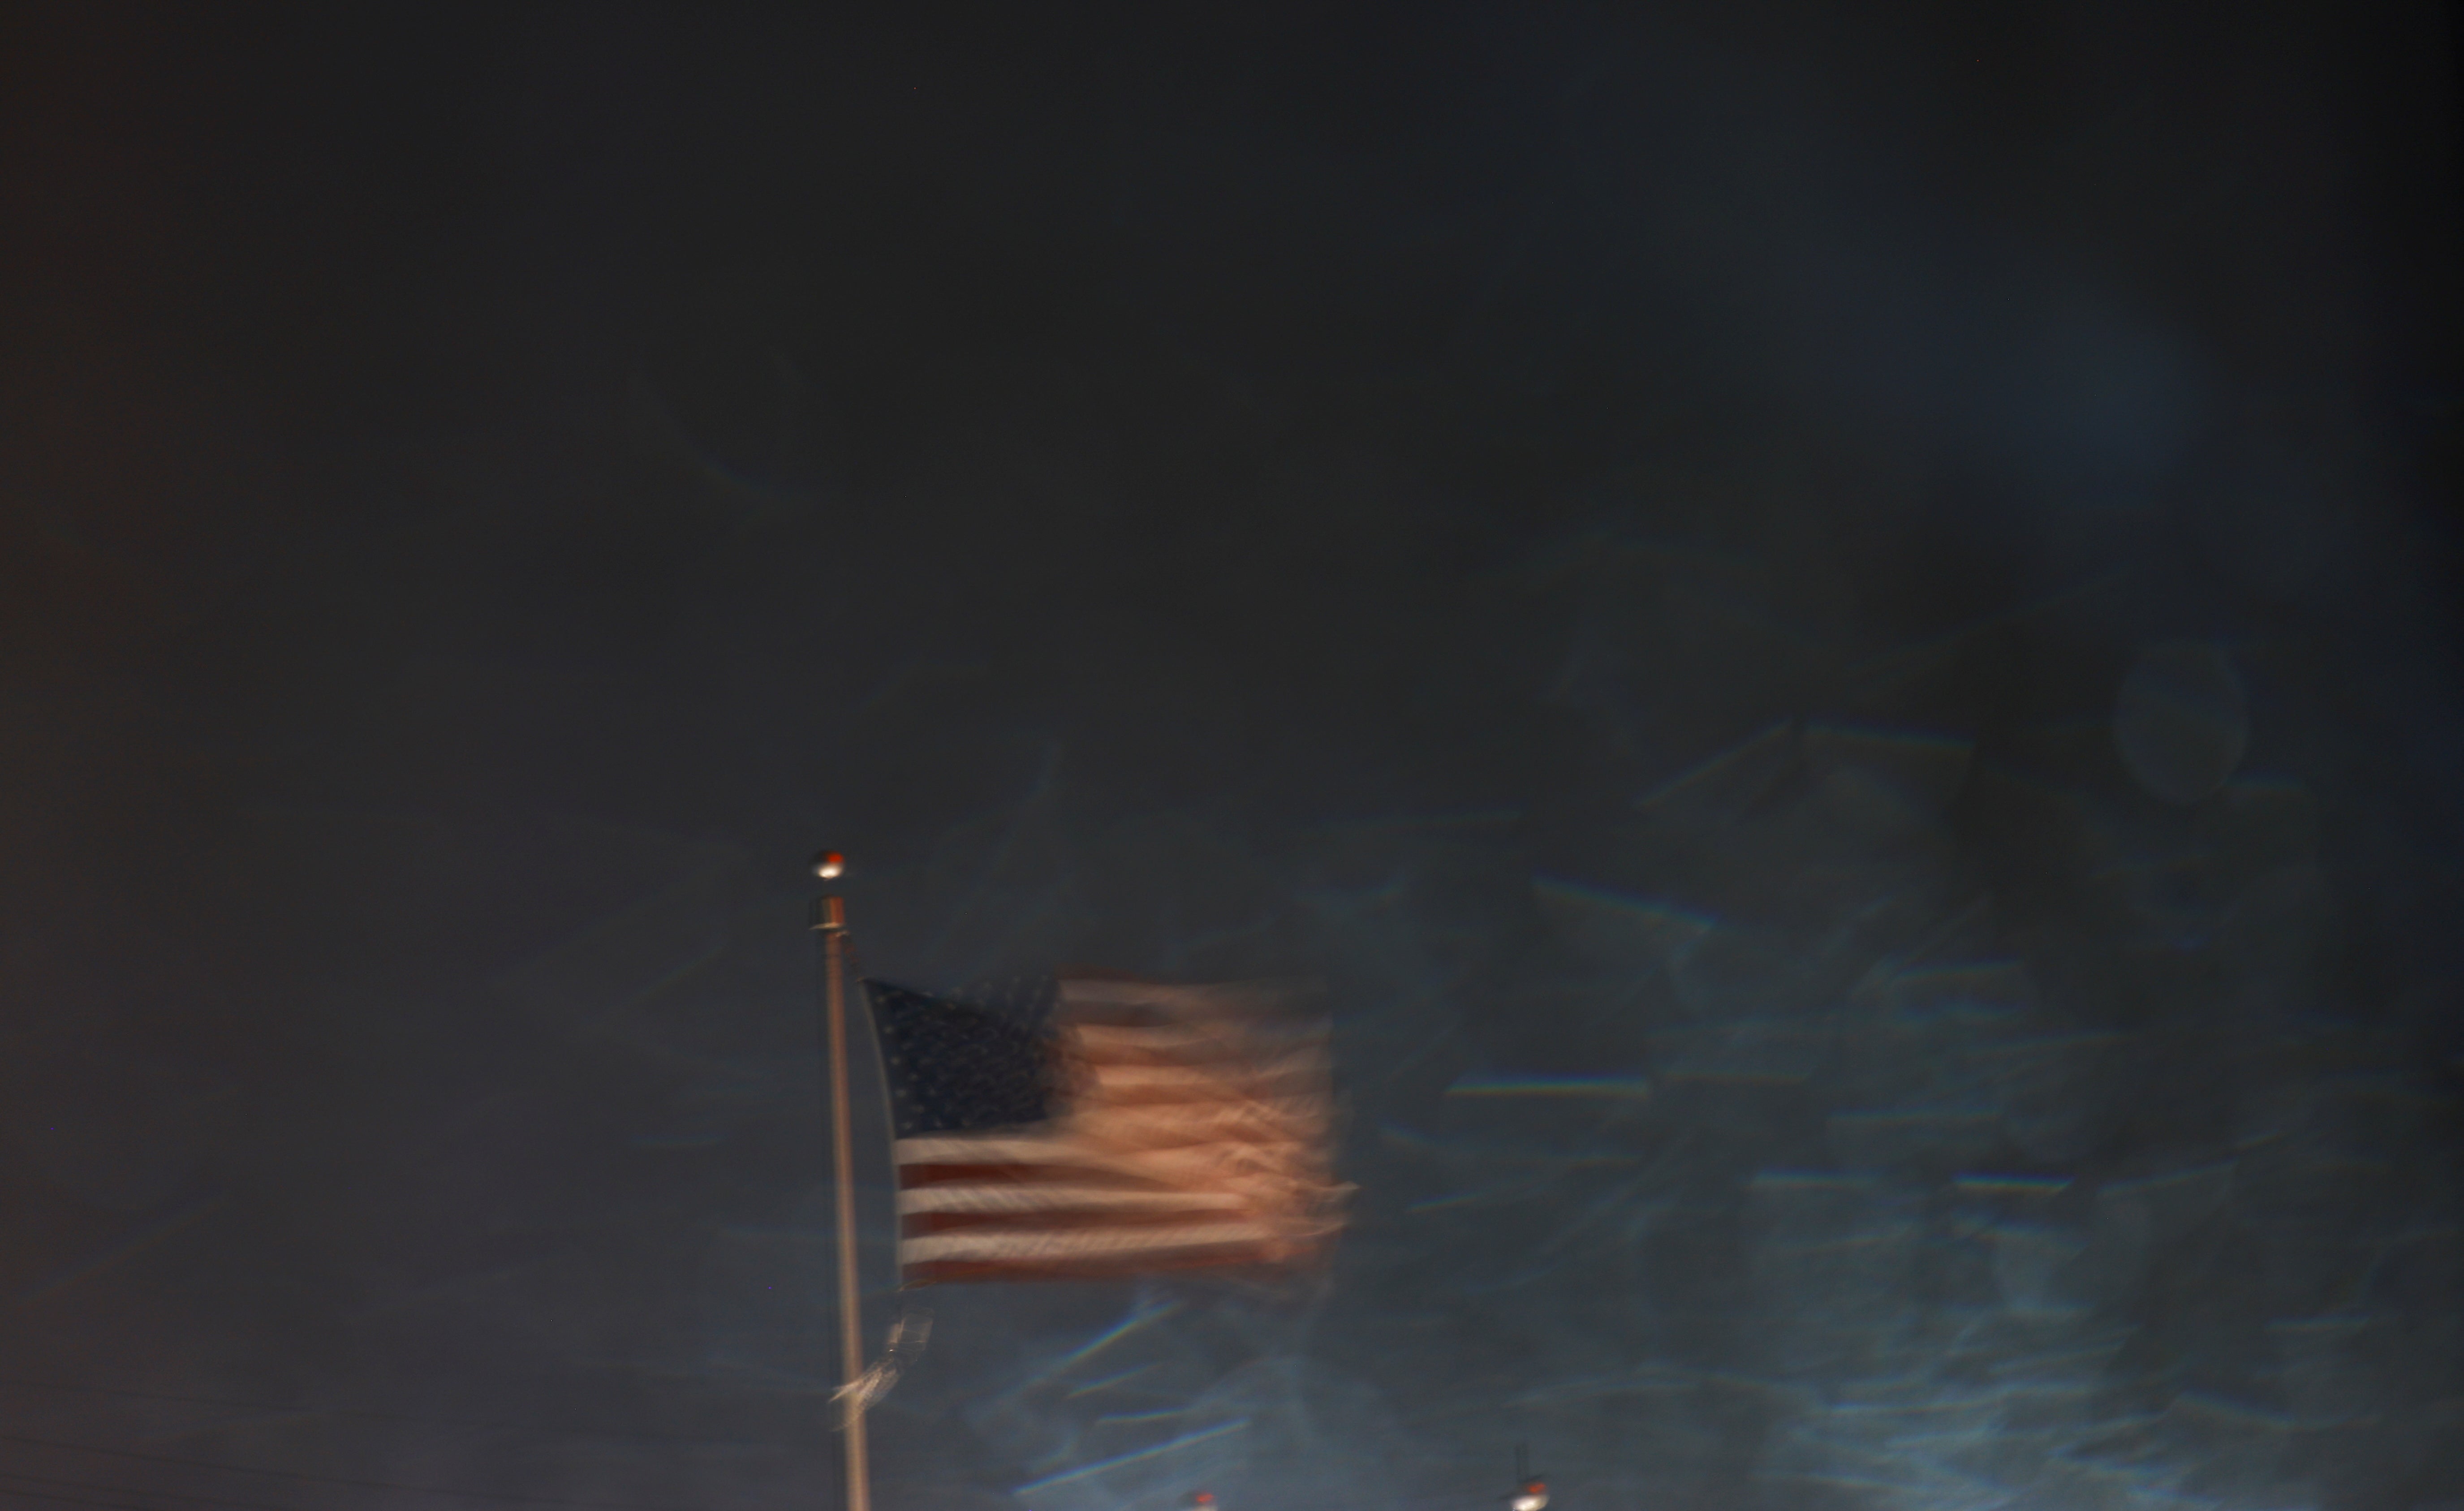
829	863
1534	1498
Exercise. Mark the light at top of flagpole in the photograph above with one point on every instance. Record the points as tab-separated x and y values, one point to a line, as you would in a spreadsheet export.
829	864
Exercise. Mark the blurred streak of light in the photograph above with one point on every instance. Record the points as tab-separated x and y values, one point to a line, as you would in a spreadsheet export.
1742	1078
1756	761
1135	1322
2227	1412
1107	1382
2051	1397
1105	1465
1685	919
137	1240
1395	1136
1893	976
1123	1418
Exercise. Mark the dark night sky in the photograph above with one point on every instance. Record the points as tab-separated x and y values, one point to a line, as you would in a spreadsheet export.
1881	572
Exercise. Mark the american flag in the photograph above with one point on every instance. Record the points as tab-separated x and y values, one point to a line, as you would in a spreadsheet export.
1087	1129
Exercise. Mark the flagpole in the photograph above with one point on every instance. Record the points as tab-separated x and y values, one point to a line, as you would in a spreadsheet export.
829	921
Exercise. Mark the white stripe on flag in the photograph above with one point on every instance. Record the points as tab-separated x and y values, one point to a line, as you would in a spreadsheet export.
1017	1195
1076	1244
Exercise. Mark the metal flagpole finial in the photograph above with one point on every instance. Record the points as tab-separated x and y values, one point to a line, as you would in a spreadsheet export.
829	913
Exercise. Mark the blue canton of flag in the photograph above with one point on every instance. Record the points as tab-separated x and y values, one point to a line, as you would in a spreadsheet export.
960	1063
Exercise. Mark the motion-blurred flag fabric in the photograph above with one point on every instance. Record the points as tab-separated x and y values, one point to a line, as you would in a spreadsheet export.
1078	1127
